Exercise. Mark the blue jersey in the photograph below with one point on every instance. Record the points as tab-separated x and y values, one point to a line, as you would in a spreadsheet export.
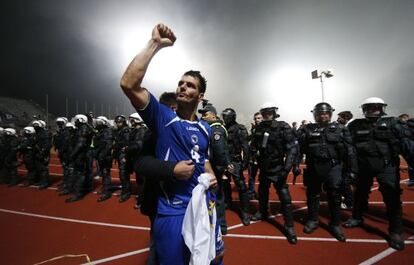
177	140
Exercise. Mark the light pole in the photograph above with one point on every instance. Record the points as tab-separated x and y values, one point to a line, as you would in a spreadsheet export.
320	74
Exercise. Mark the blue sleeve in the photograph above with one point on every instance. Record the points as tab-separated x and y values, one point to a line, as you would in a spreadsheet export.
155	114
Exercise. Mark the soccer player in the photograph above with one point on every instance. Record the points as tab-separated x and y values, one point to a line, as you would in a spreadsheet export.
180	136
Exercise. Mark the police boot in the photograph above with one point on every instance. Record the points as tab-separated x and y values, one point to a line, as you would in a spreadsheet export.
64	192
352	222
291	235
124	197
396	241
336	231
259	215
104	196
313	208
44	185
244	209
14	182
74	198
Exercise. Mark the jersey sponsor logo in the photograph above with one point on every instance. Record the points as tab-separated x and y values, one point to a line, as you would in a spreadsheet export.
192	129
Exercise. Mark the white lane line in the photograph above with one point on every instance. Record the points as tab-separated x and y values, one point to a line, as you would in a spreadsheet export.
75	220
384	254
323	239
324	202
117	257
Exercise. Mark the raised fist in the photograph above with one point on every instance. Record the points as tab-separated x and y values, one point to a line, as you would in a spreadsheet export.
163	35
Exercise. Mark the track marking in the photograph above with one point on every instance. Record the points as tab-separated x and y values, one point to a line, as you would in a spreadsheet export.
324	202
120	256
384	254
75	220
323	239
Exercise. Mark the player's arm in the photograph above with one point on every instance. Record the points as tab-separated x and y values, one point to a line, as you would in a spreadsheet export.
208	169
131	81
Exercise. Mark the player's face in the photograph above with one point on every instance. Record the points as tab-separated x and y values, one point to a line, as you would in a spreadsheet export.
187	90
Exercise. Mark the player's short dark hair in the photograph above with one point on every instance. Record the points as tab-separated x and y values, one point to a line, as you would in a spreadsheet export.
168	99
201	80
257	113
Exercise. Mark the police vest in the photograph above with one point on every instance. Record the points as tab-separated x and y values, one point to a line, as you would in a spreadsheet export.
375	139
234	140
270	139
324	143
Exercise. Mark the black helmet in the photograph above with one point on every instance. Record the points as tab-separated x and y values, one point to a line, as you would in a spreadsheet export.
322	107
120	119
229	115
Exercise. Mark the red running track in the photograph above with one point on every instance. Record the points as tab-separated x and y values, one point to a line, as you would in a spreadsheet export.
36	226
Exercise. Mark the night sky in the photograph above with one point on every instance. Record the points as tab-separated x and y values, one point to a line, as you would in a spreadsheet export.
250	51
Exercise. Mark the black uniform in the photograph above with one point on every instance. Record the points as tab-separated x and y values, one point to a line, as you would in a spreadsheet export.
78	157
61	141
11	143
27	150
278	149
328	149
133	151
253	164
378	143
42	156
219	159
121	142
237	143
69	141
103	145
409	153
2	157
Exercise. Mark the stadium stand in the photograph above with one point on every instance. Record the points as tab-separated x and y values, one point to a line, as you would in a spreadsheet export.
17	113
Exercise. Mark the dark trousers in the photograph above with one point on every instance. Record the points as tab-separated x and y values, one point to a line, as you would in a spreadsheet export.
253	169
282	191
389	185
331	181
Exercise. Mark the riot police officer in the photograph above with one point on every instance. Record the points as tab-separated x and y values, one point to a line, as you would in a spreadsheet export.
103	142
2	154
253	153
134	149
121	142
10	156
27	150
78	157
219	159
59	142
278	148
42	152
69	143
328	149
237	143
378	140
409	157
